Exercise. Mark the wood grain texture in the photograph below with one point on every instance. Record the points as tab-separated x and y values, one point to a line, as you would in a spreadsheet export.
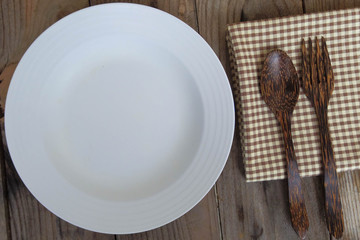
252	210
212	18
262	9
327	5
349	186
246	210
182	9
4	208
5	77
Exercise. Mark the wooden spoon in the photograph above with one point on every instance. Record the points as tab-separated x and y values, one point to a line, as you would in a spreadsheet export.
279	86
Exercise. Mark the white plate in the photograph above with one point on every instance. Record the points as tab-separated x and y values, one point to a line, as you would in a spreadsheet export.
119	118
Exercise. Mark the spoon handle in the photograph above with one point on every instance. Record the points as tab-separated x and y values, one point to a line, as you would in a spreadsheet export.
333	209
298	212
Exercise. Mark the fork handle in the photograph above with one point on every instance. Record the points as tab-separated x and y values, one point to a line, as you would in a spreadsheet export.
333	209
299	217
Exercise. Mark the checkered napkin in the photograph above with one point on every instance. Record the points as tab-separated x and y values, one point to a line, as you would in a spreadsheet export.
262	141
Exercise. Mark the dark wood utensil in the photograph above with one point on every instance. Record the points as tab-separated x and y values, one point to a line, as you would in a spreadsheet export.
318	85
279	86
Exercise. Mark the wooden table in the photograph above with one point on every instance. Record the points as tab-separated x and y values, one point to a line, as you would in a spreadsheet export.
233	209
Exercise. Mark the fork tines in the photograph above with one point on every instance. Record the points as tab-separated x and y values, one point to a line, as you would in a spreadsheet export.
317	70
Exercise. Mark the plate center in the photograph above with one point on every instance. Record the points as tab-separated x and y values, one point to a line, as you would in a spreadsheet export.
125	126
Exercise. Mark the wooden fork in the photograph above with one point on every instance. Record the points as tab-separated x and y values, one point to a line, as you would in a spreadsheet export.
318	85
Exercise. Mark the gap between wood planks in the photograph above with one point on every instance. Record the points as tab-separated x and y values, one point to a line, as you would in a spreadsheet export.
218	211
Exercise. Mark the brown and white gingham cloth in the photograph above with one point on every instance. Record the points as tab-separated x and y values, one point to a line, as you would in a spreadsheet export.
262	142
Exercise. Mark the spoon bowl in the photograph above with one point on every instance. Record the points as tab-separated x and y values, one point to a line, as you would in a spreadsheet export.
279	83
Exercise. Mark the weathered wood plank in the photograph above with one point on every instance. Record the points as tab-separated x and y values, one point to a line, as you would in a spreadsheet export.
349	186
5	230
327	5
4	210
260	9
247	210
5	77
202	221
212	18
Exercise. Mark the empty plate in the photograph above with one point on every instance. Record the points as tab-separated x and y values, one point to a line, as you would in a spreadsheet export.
119	118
